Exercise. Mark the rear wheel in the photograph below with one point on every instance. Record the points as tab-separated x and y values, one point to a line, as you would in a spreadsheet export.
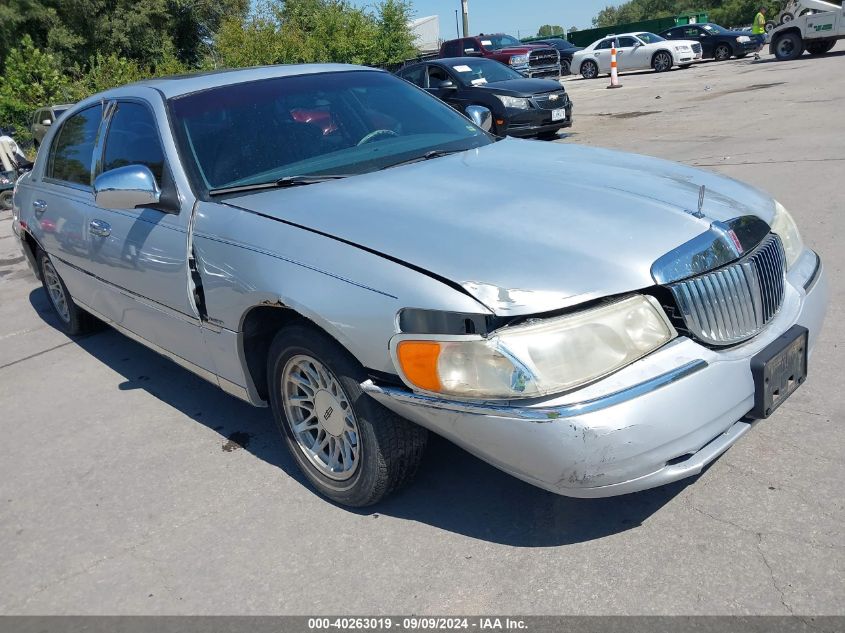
6	200
662	61
73	319
351	449
589	69
820	48
722	52
789	46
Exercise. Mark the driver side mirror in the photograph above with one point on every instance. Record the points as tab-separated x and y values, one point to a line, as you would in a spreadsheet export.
46	122
126	188
481	116
446	84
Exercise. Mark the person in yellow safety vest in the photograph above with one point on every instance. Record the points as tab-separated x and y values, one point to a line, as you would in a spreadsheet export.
759	27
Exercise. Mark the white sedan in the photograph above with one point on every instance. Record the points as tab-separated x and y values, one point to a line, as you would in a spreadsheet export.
635	51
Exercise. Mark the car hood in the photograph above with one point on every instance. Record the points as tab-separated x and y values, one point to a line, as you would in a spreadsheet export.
521	86
524	226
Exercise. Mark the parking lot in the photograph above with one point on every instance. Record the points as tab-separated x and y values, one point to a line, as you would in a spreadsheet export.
130	486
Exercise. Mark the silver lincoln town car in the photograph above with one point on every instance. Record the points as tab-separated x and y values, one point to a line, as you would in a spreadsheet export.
334	242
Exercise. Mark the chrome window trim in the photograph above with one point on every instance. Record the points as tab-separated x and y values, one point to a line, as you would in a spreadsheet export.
386	394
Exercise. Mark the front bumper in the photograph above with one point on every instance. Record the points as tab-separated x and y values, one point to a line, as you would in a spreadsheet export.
535	121
531	72
659	420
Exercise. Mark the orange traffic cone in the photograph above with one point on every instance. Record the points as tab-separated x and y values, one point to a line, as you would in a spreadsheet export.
614	73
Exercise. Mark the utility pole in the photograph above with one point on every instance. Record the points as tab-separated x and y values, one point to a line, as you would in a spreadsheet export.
465	11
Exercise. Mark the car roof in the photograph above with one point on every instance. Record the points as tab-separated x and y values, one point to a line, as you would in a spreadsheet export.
178	85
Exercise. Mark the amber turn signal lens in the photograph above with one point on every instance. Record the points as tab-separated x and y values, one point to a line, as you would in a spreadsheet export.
418	360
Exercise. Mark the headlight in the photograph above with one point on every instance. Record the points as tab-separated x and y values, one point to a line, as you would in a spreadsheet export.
743	38
514	102
787	230
537	358
683	47
518	60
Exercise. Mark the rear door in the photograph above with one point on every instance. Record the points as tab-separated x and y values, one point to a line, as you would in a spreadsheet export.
141	255
59	204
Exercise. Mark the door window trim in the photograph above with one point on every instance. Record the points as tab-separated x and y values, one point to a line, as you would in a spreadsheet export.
51	154
110	109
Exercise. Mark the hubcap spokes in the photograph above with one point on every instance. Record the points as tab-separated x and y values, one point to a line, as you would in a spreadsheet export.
55	291
320	417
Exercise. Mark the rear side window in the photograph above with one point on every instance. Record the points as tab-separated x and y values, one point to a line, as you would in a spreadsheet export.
72	152
133	140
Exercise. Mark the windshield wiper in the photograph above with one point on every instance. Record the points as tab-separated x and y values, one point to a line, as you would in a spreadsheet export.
435	153
281	183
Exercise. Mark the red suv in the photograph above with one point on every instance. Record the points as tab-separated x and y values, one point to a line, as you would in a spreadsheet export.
532	60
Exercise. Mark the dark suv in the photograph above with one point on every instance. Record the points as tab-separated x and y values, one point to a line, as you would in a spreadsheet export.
531	60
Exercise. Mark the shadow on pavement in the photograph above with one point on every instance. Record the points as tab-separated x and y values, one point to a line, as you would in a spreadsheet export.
454	491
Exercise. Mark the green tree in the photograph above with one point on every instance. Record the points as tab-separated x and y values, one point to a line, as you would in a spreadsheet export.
31	78
547	30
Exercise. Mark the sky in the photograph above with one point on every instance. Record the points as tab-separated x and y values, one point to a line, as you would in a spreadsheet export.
515	17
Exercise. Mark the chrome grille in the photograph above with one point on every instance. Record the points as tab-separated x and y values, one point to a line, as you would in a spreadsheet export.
735	302
545	101
696	48
543	57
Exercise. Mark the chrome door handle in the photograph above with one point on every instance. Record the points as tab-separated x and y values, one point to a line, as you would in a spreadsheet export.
39	206
99	228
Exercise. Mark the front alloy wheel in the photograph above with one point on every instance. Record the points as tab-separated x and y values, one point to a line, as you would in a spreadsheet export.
352	449
320	417
722	53
662	62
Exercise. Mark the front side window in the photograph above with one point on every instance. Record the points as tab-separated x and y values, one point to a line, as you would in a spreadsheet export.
627	42
72	152
133	140
336	123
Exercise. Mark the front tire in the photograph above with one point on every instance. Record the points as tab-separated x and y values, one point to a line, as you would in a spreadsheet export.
789	46
722	53
589	69
351	449
662	61
565	68
73	319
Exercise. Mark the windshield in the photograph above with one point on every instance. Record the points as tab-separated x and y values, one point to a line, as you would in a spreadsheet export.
495	42
650	38
341	123
477	72
715	28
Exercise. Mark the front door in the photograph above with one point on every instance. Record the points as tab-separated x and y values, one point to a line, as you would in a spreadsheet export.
141	255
